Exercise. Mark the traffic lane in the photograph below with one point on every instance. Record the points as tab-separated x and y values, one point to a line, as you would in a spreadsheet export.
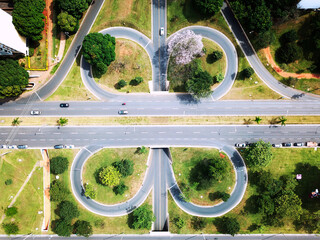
156	189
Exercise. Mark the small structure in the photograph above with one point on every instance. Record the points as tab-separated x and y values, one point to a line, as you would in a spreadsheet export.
10	41
299	176
309	4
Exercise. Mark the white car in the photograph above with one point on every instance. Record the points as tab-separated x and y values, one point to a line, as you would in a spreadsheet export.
68	146
276	145
3	146
12	146
241	145
35	112
161	31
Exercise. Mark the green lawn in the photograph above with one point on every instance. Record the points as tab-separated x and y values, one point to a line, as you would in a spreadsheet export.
111	225
127	13
105	158
184	159
131	61
16	165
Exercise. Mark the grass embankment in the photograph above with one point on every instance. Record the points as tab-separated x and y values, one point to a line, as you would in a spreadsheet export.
131	61
286	161
100	224
192	120
16	165
105	158
184	159
126	13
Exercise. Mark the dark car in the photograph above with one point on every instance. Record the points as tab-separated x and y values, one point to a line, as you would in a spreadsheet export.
22	146
299	144
64	105
287	144
59	146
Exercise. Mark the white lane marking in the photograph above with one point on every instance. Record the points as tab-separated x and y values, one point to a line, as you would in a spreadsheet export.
178	132
161	132
144	132
147	44
109	132
38	96
73	133
56	133
87	150
195	132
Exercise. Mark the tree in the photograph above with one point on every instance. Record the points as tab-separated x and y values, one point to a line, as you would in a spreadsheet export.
143	217
219	195
74	7
200	84
62	121
136	81
142	150
258	154
282	120
13	78
215	56
179	222
122	83
16	122
109	176
264	39
218	78
125	167
10	211
258	120
99	51
266	204
90	191
27	17
288	204
83	228
120	189
67	211
247	72
208	7
10	228
229	225
198	223
288	53
184	46
8	181
62	228
58	191
67	23
289	37
58	165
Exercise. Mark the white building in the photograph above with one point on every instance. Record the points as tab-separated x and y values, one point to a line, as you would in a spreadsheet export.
309	4
10	40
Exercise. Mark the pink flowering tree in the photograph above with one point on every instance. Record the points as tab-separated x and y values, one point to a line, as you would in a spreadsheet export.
184	46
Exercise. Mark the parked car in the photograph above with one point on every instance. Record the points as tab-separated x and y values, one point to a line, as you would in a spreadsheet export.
312	144
122	112
241	145
35	112
68	146
64	105
59	146
3	146
276	145
22	146
299	144
12	146
287	144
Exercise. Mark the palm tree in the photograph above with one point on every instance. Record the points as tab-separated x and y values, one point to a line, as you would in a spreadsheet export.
258	120
16	122
247	121
282	120
62	121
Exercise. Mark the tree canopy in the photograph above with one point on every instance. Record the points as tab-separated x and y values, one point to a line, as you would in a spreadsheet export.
62	228
67	22
200	84
13	78
74	7
99	51
58	165
27	17
229	225
259	154
143	217
10	228
83	228
90	191
67	211
58	191
109	176
208	7
125	167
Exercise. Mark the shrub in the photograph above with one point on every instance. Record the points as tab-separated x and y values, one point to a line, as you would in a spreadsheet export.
8	181
142	217
247	72
83	228
109	176
136	81
289	37
215	56
10	211
125	167
179	222
120	189
229	225
219	195
99	223
122	83
198	223
58	191
10	228
90	191
67	211
31	52
288	53
218	78
58	165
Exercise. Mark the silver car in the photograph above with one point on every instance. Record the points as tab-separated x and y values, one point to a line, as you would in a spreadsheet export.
35	112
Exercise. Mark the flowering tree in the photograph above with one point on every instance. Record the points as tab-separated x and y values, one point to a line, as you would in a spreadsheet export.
185	46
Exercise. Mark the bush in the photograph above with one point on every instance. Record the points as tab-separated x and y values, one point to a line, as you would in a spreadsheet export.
83	228
109	176
58	191
247	72
289	37
10	211
125	167
62	228
218	78
228	225
143	217
122	83
8	181
99	223
120	189
136	81
90	191
215	56
288	53
31	52
179	222
10	228
58	165
141	150
198	223
67	211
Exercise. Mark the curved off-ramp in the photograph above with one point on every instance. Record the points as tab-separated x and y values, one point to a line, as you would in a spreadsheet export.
142	40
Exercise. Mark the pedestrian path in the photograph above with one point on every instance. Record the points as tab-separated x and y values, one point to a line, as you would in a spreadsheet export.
46	187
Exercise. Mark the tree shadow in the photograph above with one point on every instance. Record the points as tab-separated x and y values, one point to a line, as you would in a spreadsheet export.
130	220
96	175
251	205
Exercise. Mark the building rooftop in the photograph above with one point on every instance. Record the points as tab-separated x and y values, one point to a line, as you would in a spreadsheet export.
309	4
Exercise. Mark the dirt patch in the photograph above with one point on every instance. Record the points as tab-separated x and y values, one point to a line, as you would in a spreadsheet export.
124	49
127	10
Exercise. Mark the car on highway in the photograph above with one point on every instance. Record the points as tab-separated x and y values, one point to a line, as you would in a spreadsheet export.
276	145
298	144
64	105
3	146
22	146
35	112
241	145
12	147
122	112
287	144
161	31
58	146
68	146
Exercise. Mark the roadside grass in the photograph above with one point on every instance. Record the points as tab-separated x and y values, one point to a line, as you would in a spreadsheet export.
131	61
176	85
111	225
248	89
181	14
12	168
286	161
39	58
126	13
169	120
184	159
106	157
72	87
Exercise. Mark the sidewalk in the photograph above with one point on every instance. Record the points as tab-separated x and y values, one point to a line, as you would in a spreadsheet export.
46	187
